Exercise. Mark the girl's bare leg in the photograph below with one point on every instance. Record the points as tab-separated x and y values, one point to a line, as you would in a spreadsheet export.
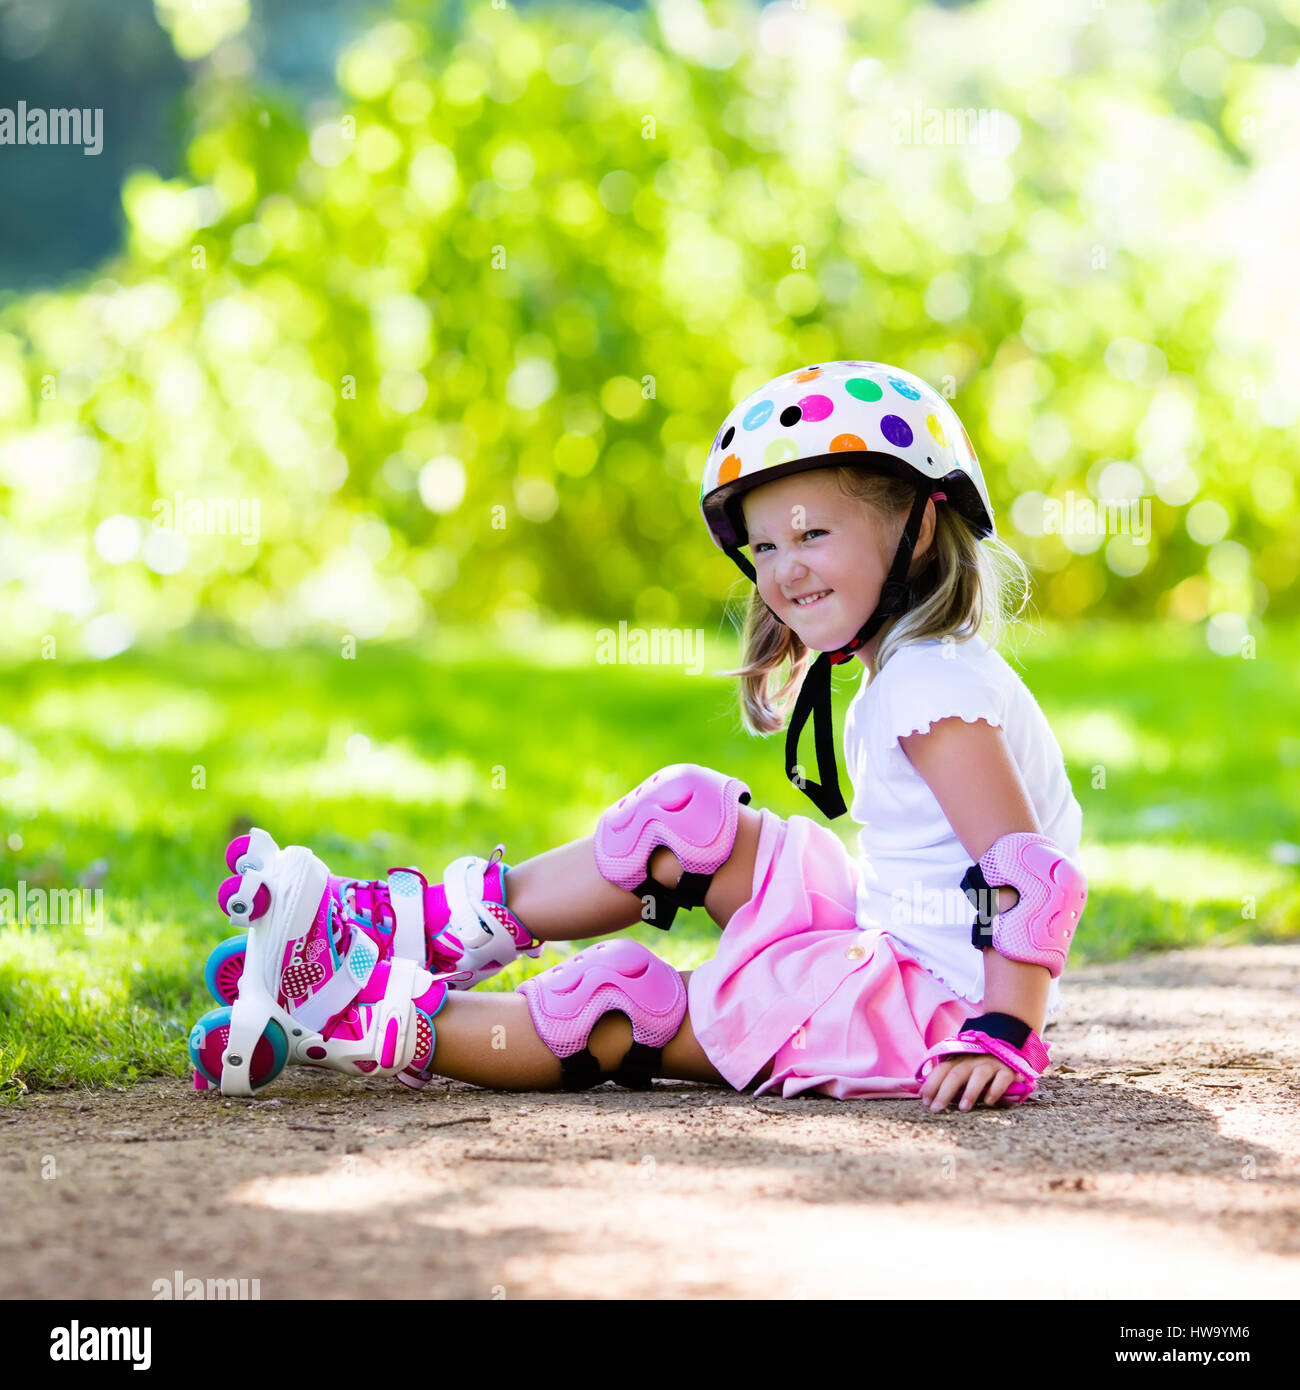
561	896
489	1040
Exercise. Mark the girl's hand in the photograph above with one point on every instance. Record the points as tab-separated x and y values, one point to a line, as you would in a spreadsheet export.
971	1072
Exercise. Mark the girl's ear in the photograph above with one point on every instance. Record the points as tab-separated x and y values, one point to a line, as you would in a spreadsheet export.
926	538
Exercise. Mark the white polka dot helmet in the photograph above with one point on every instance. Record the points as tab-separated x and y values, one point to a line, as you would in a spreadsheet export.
834	413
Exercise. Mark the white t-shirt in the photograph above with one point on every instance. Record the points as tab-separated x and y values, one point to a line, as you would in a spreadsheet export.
912	863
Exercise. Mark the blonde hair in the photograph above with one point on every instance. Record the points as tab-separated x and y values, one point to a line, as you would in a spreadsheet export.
964	583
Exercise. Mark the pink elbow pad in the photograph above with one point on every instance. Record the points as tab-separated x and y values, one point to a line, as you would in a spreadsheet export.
1053	890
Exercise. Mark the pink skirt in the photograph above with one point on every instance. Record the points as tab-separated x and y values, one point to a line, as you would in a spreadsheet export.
837	1008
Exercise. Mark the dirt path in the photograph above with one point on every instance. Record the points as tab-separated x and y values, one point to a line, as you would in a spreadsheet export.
1160	1158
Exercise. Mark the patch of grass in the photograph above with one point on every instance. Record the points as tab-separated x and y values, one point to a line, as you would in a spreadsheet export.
132	774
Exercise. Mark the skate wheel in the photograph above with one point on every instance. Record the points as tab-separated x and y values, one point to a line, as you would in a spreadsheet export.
208	1040
225	966
230	888
235	851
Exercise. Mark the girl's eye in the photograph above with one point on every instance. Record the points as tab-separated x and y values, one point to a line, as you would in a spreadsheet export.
816	531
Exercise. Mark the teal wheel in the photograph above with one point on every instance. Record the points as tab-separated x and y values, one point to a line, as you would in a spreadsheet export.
208	1040
225	966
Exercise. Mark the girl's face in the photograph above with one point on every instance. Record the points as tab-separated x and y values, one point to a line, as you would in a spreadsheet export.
821	558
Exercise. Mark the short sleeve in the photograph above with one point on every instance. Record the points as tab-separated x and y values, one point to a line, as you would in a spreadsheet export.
920	685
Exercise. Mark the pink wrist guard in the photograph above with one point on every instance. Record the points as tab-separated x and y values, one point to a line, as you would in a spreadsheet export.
1030	1060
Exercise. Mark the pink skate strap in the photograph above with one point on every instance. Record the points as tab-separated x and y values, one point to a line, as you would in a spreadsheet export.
1030	1061
406	894
469	884
339	988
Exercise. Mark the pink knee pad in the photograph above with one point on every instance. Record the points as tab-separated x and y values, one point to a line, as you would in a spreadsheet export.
616	976
689	809
1052	891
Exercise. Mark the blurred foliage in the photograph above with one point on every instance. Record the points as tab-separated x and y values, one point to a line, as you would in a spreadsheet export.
456	346
133	774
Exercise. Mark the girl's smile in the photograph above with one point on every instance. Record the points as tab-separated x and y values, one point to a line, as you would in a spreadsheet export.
809	600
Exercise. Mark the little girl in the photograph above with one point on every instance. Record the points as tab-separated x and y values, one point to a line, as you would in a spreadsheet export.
858	493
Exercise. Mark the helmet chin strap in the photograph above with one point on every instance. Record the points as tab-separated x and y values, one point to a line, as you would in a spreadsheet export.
896	596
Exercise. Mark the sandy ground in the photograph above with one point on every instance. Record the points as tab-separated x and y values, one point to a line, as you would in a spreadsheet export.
1159	1158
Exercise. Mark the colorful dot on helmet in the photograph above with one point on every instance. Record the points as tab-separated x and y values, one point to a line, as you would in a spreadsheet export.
791	415
729	470
843	442
758	415
816	407
863	389
808	374
936	429
904	389
897	431
729	436
780	451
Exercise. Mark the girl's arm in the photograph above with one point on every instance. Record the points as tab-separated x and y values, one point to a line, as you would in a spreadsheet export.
970	770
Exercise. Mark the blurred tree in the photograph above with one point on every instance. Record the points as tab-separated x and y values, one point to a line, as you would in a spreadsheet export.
457	347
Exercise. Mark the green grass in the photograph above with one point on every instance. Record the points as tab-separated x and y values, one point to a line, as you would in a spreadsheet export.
1187	766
